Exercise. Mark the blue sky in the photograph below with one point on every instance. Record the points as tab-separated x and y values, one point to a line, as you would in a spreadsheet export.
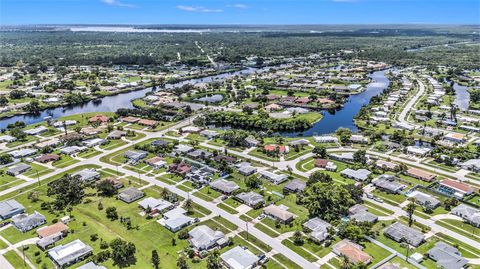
239	12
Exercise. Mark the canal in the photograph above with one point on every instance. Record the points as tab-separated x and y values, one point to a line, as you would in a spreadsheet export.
333	120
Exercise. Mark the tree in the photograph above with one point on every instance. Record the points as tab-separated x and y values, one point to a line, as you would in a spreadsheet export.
360	156
106	188
345	263
67	191
111	213
253	182
327	201
213	261
188	205
298	238
410	210
155	259
33	107
344	134
5	158
182	263
123	253
320	151
318	176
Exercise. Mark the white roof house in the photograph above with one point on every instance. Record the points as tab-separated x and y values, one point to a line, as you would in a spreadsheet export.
419	151
239	258
203	237
7	138
325	139
69	253
176	219
22	153
274	178
154	204
359	175
36	131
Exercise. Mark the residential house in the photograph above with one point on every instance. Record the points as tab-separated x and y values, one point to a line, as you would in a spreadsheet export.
98	119
50	157
183	149
36	131
130	194
175	219
87	175
468	213
446	256
209	134
424	199
7	138
402	233
224	186
358	175
251	199
343	156
156	162
247	170
148	123
72	150
21	153
134	156
386	165
116	134
418	151
360	213
239	258
472	165
274	147
69	253
294	186
279	213
318	229
420	174
352	251
155	205
10	208
272	177
179	168
18	169
203	238
325	139
24	222
90	143
389	183
456	188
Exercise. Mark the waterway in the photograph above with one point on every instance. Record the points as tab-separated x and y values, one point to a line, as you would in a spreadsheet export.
329	123
114	102
462	96
332	120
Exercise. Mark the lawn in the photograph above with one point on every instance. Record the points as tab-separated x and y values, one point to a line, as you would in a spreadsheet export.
65	160
227	208
37	171
285	261
207	194
88	153
15	260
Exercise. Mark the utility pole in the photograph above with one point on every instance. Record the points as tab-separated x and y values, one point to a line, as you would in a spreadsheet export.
23	252
38	178
246	225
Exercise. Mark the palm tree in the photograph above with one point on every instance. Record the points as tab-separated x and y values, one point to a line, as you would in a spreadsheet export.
410	210
345	263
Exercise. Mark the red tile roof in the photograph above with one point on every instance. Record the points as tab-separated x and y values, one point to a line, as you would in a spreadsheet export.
456	185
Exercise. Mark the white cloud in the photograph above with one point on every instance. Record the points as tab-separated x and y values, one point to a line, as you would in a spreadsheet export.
238	6
198	9
117	3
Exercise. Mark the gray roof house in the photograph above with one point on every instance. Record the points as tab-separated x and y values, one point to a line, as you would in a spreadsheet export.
364	216
272	177
69	253
20	153
203	237
295	185
247	170
318	229
446	256
25	222
468	213
400	232
130	194
91	265
252	199
134	156
224	186
358	175
87	175
425	199
388	183
176	219
10	208
155	205
18	169
239	258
